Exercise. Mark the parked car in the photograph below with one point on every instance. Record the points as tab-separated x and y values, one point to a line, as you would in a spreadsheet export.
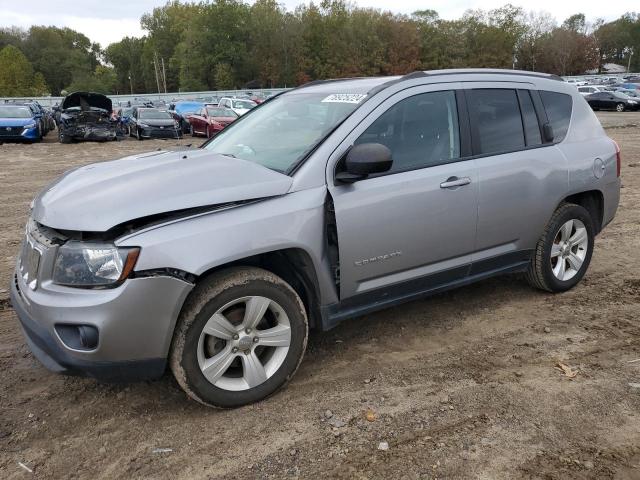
19	122
153	123
209	121
86	116
629	93
589	89
238	105
40	114
328	202
611	101
180	111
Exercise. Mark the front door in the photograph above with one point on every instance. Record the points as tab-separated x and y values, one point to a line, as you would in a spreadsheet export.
405	230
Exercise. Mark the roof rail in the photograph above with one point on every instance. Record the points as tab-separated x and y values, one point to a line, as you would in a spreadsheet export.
328	80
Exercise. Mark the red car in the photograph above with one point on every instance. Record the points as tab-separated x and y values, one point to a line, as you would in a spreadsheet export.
208	121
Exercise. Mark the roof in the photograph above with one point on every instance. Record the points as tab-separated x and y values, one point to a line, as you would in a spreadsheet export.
367	84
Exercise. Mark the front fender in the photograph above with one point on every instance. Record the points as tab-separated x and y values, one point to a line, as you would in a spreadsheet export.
198	244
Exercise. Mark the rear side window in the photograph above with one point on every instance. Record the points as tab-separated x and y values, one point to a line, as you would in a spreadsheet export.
558	108
496	115
529	119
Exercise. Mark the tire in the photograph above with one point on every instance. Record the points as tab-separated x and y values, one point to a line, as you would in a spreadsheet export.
63	138
192	131
226	295
619	107
138	136
545	271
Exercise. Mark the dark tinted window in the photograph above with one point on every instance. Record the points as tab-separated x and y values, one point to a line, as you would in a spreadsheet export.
497	117
421	131
558	107
529	119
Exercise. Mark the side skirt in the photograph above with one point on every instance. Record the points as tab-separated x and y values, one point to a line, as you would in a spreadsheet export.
334	314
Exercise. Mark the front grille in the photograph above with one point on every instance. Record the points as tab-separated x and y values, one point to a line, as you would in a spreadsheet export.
10	131
162	132
38	241
30	262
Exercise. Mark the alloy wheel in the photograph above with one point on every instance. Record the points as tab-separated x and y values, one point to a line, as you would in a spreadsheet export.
244	343
569	249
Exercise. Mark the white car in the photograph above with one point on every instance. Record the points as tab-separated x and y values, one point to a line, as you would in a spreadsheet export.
238	105
575	82
589	89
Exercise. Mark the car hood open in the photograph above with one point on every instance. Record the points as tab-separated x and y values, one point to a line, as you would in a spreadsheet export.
86	100
97	197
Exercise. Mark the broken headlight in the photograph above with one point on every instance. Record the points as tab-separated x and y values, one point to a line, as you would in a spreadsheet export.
81	264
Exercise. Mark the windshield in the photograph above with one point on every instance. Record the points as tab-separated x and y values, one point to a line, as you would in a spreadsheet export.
248	104
154	115
15	112
282	131
221	112
188	107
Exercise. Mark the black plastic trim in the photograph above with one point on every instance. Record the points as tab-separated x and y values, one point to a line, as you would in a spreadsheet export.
358	305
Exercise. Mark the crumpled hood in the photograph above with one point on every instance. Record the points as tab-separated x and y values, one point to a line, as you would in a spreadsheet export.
86	100
97	197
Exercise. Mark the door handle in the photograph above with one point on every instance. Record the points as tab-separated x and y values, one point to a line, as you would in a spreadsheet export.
453	182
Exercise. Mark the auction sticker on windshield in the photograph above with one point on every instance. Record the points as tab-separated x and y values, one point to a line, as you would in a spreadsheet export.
345	98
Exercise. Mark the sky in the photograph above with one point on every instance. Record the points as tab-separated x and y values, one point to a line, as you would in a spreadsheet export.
106	21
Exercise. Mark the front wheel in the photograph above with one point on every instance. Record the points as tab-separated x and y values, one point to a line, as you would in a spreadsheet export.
563	253
240	337
620	107
192	131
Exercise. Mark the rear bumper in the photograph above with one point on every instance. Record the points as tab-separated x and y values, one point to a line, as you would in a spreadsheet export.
134	338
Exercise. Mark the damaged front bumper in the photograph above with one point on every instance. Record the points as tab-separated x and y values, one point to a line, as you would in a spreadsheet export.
89	132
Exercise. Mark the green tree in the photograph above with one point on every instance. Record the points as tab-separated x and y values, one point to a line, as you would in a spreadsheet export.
17	78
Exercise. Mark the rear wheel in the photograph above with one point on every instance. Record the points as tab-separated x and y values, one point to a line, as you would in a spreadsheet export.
620	107
240	337
564	250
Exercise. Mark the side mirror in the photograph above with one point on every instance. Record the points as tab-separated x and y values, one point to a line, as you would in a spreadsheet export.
363	160
547	133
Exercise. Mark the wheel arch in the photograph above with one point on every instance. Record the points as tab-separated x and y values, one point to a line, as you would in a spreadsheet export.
295	266
593	202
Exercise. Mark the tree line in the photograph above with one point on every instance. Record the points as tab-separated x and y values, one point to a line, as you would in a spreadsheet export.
228	44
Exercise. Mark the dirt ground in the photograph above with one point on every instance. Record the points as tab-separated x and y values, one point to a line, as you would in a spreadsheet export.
460	385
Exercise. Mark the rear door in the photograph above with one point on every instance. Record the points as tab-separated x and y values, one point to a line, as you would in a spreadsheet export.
412	228
519	175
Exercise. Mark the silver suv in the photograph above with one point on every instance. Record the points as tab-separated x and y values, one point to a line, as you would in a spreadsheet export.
326	202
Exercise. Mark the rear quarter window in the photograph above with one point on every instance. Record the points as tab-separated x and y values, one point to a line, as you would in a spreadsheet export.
558	107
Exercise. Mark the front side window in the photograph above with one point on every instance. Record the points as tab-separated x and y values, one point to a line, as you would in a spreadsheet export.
421	131
558	108
496	115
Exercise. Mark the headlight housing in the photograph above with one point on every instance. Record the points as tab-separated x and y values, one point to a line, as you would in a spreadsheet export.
143	125
31	125
87	265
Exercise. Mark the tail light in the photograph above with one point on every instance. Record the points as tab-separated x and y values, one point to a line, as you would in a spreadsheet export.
618	159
